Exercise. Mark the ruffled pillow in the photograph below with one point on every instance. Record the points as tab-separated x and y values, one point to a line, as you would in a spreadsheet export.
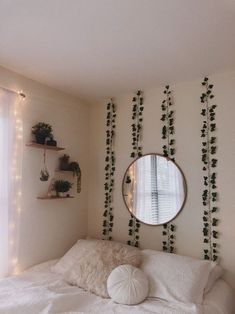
127	285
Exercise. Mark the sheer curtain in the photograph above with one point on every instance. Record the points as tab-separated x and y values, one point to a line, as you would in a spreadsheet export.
11	132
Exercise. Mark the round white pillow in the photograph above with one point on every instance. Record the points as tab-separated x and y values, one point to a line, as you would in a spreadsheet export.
127	285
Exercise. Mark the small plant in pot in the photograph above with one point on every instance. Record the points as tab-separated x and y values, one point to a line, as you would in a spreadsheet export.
62	187
74	167
42	131
51	142
64	162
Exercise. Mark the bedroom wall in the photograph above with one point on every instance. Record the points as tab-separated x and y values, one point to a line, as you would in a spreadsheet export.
188	156
49	227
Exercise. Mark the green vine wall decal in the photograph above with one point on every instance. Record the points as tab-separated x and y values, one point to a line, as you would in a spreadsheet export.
168	131
109	171
137	126
209	194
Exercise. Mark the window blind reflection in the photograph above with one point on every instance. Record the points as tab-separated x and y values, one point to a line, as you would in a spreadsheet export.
154	190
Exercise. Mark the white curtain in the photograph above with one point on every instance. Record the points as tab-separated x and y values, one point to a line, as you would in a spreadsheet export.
11	132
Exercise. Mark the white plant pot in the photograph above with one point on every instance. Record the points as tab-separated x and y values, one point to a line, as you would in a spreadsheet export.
61	194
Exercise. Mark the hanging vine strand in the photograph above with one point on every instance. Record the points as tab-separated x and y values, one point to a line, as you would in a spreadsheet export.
209	194
168	131
109	171
137	118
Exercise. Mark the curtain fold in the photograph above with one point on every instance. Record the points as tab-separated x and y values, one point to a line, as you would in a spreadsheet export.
11	140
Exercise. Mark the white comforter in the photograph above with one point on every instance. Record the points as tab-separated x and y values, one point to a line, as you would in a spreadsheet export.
40	291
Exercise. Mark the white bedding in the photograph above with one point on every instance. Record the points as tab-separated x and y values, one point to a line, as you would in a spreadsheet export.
38	290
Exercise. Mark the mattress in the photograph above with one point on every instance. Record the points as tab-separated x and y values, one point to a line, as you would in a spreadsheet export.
38	290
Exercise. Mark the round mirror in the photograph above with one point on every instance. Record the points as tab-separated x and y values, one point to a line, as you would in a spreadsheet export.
154	189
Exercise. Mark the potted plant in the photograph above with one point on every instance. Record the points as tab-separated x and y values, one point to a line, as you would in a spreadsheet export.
64	162
61	187
42	131
51	141
74	167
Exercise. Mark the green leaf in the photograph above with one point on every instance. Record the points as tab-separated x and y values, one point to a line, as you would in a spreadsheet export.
215	257
130	223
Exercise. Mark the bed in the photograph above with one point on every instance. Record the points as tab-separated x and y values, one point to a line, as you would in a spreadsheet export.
39	290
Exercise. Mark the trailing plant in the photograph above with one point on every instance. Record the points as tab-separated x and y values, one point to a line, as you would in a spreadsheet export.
109	171
168	131
64	162
209	160
136	127
61	186
75	168
42	130
137	118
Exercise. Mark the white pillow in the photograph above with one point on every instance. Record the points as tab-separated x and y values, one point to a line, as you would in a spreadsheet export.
215	274
176	278
127	285
70	258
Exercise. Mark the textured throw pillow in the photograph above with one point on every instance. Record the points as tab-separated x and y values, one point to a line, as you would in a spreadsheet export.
98	259
176	278
127	285
75	253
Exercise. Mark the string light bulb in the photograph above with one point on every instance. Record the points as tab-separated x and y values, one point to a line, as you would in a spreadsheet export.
16	176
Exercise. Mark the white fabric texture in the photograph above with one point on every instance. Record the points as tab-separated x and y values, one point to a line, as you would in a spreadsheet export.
215	274
220	299
47	293
95	260
67	261
127	285
176	278
10	179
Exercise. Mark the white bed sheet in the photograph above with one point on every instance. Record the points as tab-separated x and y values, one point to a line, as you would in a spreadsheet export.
38	290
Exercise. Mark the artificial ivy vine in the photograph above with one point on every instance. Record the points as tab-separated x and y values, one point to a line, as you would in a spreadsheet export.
109	171
168	131
209	195
137	118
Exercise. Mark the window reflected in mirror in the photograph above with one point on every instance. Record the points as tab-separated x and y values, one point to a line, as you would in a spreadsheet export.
154	189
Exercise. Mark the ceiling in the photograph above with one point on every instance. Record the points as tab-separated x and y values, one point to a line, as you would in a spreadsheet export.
100	48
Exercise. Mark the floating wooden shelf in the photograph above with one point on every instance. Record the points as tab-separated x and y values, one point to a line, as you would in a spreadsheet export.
53	197
64	171
41	146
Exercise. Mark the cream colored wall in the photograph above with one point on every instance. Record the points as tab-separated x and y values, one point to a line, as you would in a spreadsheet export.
187	124
49	228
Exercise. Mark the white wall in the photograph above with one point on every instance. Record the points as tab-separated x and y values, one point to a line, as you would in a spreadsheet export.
188	142
49	228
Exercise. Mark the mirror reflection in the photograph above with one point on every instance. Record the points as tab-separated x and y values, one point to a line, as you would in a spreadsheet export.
154	189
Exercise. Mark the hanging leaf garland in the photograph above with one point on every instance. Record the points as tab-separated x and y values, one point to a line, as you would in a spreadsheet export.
136	127
137	118
168	131
209	194
109	171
